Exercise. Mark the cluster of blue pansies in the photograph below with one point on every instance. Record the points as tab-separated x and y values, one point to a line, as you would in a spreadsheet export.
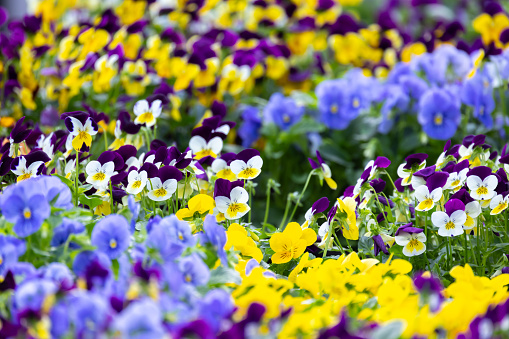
441	89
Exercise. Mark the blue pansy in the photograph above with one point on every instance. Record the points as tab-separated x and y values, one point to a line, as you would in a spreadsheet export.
194	270
58	273
11	249
57	193
215	235
25	206
395	102
249	130
140	320
282	111
31	294
111	235
134	207
439	113
215	306
88	312
62	232
477	92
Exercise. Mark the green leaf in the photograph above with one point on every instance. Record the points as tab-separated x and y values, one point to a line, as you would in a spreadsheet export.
224	275
391	330
90	201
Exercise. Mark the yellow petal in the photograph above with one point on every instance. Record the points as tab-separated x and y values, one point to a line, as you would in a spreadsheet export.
281	257
309	236
293	231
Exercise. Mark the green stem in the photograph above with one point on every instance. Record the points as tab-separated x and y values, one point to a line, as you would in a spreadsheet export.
250	203
327	242
267	205
466	247
286	213
76	177
301	194
111	197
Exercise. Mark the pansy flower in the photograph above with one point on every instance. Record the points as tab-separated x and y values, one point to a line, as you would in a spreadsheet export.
147	114
18	134
111	235
318	207
163	186
30	165
221	166
177	159
202	147
99	172
348	224
282	111
247	164
472	208
450	223
482	183
412	164
327	174
429	194
136	181
81	128
412	239
499	204
457	176
419	178
231	199
218	126
291	243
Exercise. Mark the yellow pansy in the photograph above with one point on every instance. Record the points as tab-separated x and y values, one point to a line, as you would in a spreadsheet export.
200	204
237	237
291	243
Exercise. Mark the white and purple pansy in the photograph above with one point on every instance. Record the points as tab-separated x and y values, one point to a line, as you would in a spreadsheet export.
318	207
81	128
137	180
413	163
30	165
457	175
100	171
482	183
247	164
472	208
218	126
205	145
147	113
447	154
450	223
412	239
231	198
499	203
221	167
163	186
18	134
427	195
177	159
419	178
373	165
326	171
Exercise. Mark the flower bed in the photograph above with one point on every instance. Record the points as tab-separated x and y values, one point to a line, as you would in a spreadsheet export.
245	169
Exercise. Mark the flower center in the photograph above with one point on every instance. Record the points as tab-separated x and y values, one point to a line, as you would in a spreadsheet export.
248	172
482	190
160	192
137	184
414	243
205	153
27	213
449	226
188	278
99	176
286	118
439	119
146	117
113	243
1	260
82	135
24	176
455	183
356	103
334	109
181	237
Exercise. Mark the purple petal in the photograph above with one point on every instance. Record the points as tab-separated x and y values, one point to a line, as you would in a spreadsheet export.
454	205
438	179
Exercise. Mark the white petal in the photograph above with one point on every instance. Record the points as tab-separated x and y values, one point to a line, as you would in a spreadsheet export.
131	177
216	145
237	166
109	168
324	228
239	194
34	167
225	129
420	236
170	185
436	195
197	144
401	171
326	170
257	162
141	107
459	218
473	209
154	183
93	167
403	238
219	165
495	201
421	193
491	182
222	203
474	182
417	182
439	218
156	108
76	125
